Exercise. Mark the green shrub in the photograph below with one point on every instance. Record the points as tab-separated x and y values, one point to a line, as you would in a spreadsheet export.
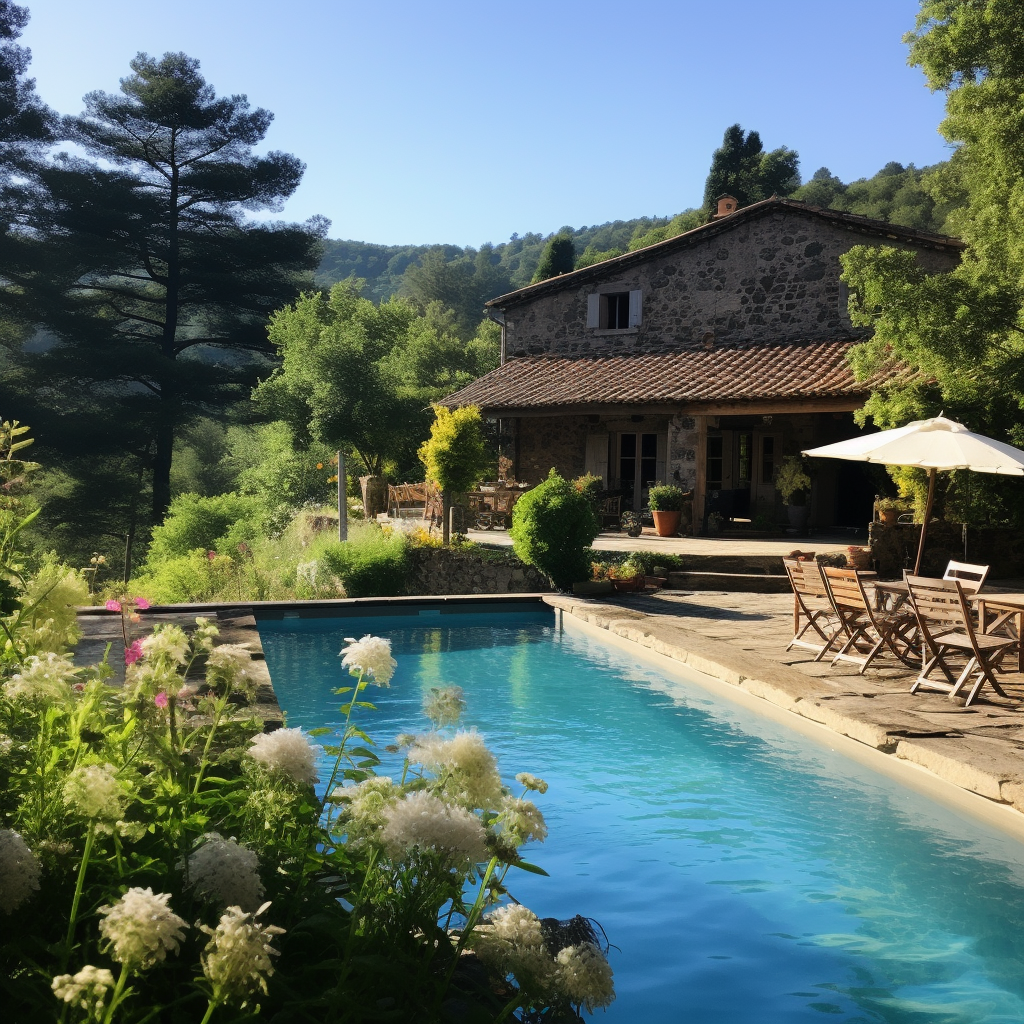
370	564
194	521
552	528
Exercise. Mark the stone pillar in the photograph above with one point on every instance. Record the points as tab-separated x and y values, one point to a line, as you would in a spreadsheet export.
683	448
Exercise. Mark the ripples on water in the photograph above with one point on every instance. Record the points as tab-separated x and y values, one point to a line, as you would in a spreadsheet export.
746	873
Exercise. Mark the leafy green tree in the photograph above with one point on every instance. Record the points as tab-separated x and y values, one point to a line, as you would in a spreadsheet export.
742	168
680	223
455	454
590	256
559	257
338	383
159	283
553	526
960	334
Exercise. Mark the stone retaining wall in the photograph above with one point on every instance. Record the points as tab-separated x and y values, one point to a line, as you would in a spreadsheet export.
444	571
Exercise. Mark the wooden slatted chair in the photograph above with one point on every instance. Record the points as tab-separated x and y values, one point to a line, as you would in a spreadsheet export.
972	577
868	630
812	610
946	628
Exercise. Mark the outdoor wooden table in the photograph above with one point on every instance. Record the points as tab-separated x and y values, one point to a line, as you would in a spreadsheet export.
1008	611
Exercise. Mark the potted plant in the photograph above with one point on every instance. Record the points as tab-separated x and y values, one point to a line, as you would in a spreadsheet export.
666	504
631	523
793	483
890	509
600	581
627	577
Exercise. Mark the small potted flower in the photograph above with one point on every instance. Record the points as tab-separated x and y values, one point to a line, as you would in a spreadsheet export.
666	504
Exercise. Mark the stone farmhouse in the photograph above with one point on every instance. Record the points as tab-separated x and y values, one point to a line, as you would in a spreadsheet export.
701	361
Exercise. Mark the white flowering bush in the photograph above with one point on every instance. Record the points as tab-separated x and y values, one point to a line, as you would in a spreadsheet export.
162	857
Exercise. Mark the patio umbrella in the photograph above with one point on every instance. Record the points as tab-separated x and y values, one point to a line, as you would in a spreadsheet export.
934	444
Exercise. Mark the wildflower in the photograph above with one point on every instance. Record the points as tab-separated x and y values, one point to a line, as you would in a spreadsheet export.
202	638
529	781
523	821
305	572
365	806
166	643
319	465
511	941
160	700
145	679
225	872
141	603
236	960
19	871
43	678
113	606
133	652
94	792
140	929
467	770
287	751
229	667
422	821
585	976
86	990
444	706
211	555
370	657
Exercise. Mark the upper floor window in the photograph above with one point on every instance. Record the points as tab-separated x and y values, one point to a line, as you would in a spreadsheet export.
615	311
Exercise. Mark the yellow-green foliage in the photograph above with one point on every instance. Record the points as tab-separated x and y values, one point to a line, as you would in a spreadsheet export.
49	602
370	563
456	453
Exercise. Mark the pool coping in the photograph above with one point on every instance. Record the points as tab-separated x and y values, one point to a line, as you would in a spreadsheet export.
992	789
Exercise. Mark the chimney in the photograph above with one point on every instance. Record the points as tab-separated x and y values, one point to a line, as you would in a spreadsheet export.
726	204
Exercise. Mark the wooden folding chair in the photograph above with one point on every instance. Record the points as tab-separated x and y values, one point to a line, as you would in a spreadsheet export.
868	629
812	610
972	577
946	628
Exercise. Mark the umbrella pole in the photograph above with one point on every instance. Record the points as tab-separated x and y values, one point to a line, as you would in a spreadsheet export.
927	517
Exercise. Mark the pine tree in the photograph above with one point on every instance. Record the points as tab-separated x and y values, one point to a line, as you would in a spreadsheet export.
159	286
741	168
559	257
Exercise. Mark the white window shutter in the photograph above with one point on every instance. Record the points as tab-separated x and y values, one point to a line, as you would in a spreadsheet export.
594	310
636	307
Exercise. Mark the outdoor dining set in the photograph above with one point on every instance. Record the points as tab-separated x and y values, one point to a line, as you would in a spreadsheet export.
953	633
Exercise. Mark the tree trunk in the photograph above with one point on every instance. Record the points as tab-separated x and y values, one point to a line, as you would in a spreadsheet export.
446	518
375	495
162	465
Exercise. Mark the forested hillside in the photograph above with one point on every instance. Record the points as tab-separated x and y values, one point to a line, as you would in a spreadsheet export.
464	278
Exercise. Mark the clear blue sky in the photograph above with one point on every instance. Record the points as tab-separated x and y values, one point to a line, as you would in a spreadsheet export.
463	121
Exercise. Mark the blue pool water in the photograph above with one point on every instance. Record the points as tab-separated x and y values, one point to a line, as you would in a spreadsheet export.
747	874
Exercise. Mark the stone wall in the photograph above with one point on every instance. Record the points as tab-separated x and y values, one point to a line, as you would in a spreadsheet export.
445	571
771	278
894	548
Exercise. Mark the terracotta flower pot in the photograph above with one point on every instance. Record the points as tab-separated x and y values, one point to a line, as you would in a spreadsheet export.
889	516
629	586
666	524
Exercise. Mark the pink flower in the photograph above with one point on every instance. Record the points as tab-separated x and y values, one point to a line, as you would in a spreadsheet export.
141	603
78	687
211	555
113	606
160	700
133	653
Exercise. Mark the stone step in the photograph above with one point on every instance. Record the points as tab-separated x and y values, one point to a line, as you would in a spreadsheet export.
745	582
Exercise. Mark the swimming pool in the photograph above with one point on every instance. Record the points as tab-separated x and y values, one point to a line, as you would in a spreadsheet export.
746	873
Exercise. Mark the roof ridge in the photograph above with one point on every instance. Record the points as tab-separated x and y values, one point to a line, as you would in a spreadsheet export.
715	227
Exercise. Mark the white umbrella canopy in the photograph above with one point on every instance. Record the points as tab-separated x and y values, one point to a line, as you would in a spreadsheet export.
934	444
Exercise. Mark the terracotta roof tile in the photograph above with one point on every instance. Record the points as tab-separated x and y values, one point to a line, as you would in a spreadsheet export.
725	373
